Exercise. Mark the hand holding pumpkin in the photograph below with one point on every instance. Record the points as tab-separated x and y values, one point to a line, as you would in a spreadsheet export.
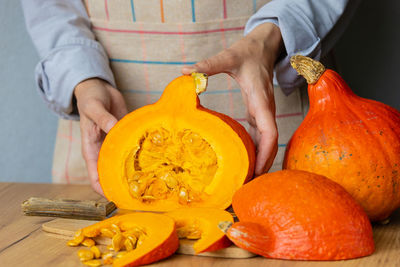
250	61
100	106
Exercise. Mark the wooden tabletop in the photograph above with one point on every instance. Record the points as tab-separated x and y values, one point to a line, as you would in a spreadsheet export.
23	243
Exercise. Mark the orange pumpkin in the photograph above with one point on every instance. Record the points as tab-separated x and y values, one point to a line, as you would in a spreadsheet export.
175	153
352	140
201	224
145	237
295	214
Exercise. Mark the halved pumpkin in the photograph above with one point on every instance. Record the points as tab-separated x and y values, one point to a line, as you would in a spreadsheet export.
175	153
201	224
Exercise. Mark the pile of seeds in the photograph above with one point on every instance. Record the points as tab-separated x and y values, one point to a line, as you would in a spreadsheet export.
188	230
171	164
121	243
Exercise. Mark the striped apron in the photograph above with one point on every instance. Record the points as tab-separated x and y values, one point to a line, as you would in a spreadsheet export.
148	42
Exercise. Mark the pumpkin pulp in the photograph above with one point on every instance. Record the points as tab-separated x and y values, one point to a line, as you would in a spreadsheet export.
170	164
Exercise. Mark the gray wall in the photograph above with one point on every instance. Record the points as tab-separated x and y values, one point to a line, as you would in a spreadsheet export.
27	128
367	55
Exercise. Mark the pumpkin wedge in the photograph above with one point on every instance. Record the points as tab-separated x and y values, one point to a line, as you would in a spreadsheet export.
175	153
349	139
201	224
136	239
294	214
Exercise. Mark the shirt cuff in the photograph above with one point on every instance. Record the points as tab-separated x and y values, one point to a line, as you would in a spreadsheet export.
65	67
299	37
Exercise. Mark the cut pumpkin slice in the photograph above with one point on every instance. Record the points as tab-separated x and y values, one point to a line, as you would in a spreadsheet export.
136	238
201	224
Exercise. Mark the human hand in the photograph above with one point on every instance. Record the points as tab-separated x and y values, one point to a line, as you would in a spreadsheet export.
100	106
250	61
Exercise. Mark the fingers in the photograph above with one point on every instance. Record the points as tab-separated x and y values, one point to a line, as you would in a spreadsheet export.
118	105
93	176
97	112
258	89
92	138
224	62
267	149
267	139
100	106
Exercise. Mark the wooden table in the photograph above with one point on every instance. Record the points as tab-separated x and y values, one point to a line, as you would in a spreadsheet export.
23	243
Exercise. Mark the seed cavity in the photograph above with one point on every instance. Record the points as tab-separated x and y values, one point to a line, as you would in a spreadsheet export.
170	164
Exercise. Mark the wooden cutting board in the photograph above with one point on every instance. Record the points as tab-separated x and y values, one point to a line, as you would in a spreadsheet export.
66	228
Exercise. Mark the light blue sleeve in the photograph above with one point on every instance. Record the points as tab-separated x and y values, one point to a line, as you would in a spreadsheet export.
308	27
69	53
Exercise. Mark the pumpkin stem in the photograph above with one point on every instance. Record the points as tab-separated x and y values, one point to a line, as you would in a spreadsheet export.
310	69
224	226
200	79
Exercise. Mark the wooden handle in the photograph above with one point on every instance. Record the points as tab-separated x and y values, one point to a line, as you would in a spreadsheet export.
67	208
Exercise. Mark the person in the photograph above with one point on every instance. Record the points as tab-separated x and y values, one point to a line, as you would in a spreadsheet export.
89	49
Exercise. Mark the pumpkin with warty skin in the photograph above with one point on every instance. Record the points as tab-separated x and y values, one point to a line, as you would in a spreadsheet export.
175	153
299	215
352	140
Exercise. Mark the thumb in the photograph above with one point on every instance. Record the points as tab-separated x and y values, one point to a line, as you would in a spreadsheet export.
224	62
100	116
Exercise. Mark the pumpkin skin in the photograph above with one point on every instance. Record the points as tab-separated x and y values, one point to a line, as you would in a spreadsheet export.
161	238
294	214
204	221
176	113
352	140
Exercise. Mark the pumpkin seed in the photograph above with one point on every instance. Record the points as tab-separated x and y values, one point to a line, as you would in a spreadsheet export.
136	176
96	251
85	254
190	231
169	180
72	243
115	228
149	198
134	189
78	238
88	242
133	240
128	245
107	232
183	195
196	234
116	242
92	263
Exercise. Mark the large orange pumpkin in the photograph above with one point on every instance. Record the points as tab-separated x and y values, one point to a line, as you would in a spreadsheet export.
294	214
351	140
175	153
